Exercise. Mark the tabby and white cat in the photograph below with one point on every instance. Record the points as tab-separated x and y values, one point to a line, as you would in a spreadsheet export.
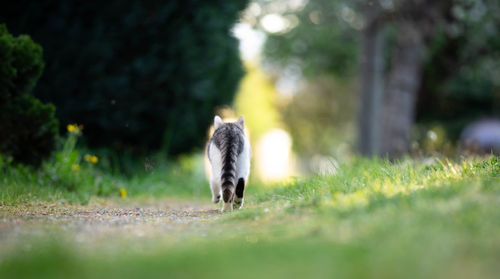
229	154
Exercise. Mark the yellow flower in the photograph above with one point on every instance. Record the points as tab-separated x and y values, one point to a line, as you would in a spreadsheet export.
74	128
123	193
75	167
94	159
87	157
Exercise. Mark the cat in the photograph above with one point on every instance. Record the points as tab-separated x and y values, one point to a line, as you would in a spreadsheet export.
229	154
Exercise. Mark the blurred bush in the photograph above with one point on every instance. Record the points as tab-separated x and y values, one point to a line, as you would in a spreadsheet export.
28	128
139	76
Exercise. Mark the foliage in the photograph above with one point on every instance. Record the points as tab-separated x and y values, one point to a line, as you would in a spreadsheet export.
460	81
139	76
370	219
63	173
319	41
28	128
460	76
75	176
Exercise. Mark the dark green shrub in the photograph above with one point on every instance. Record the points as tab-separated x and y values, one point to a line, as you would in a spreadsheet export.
138	75
28	128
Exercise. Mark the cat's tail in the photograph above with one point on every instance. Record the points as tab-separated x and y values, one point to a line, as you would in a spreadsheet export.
228	177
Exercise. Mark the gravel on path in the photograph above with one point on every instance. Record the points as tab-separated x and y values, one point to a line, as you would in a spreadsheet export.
105	222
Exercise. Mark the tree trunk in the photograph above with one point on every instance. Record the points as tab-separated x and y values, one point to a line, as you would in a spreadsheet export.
372	89
401	92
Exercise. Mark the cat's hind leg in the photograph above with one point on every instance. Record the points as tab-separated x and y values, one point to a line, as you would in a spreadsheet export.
215	186
238	193
227	197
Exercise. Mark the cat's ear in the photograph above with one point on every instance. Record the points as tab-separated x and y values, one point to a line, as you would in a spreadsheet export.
217	122
241	122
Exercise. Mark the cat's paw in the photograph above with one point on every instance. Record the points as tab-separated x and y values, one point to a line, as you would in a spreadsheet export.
227	207
216	199
238	203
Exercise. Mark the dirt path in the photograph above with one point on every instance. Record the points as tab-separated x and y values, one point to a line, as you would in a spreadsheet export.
105	222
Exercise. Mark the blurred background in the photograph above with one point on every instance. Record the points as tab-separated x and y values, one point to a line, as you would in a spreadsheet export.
318	81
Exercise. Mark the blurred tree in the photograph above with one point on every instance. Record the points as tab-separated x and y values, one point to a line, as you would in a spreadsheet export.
414	23
406	46
426	34
139	76
28	128
372	87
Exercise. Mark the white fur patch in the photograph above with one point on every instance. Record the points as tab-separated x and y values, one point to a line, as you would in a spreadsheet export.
215	176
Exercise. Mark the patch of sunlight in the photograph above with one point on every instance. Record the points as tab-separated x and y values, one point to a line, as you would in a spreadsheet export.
386	187
274	155
389	189
449	171
361	198
347	201
274	23
251	40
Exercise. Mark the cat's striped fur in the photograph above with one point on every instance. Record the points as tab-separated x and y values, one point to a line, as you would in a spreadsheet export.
229	154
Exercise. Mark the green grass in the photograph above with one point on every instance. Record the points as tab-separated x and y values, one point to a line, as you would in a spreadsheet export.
70	177
370	219
20	184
